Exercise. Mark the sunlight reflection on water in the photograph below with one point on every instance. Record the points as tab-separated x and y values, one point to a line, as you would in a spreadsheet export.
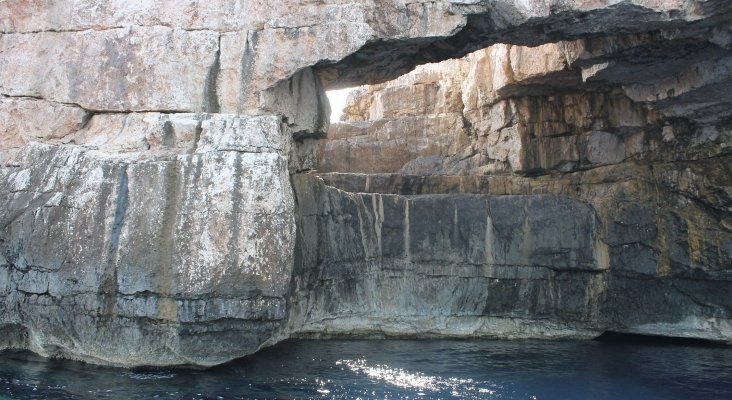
414	380
398	369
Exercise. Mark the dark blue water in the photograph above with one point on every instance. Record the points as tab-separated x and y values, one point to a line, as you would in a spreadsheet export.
399	369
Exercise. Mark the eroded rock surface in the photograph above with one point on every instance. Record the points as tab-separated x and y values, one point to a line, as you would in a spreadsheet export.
519	124
147	153
136	258
532	111
446	265
621	248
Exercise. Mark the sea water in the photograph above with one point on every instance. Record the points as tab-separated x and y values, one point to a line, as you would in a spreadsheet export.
399	369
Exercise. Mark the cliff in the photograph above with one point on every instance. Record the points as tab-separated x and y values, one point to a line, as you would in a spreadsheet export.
524	192
172	192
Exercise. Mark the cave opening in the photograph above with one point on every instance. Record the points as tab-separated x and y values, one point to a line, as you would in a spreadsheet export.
521	191
499	113
338	100
516	112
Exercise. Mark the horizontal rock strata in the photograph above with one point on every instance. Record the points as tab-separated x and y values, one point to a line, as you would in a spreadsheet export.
632	238
564	121
131	258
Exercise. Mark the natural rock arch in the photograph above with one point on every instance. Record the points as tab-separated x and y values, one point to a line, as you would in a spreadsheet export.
140	227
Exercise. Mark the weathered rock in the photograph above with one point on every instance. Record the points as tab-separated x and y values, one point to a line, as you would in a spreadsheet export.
338	35
445	265
507	261
493	112
147	211
138	132
178	260
124	69
25	120
656	181
386	146
302	102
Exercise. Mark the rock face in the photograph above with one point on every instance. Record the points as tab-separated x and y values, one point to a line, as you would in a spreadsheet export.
514	125
615	249
446	265
529	111
149	151
136	258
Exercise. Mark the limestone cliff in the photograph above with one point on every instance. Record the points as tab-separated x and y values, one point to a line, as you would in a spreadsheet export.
149	151
489	156
115	257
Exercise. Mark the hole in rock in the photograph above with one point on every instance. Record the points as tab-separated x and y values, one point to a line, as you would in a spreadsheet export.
554	149
410	126
447	127
337	99
502	111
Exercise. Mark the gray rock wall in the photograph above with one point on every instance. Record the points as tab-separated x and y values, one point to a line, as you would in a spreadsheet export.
559	264
445	265
167	260
567	120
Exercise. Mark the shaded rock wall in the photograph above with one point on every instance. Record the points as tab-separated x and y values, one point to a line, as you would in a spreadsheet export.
517	124
617	249
445	265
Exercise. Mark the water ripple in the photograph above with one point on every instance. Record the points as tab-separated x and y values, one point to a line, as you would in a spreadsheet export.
398	369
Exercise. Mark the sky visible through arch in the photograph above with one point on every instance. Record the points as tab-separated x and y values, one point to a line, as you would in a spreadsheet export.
337	99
